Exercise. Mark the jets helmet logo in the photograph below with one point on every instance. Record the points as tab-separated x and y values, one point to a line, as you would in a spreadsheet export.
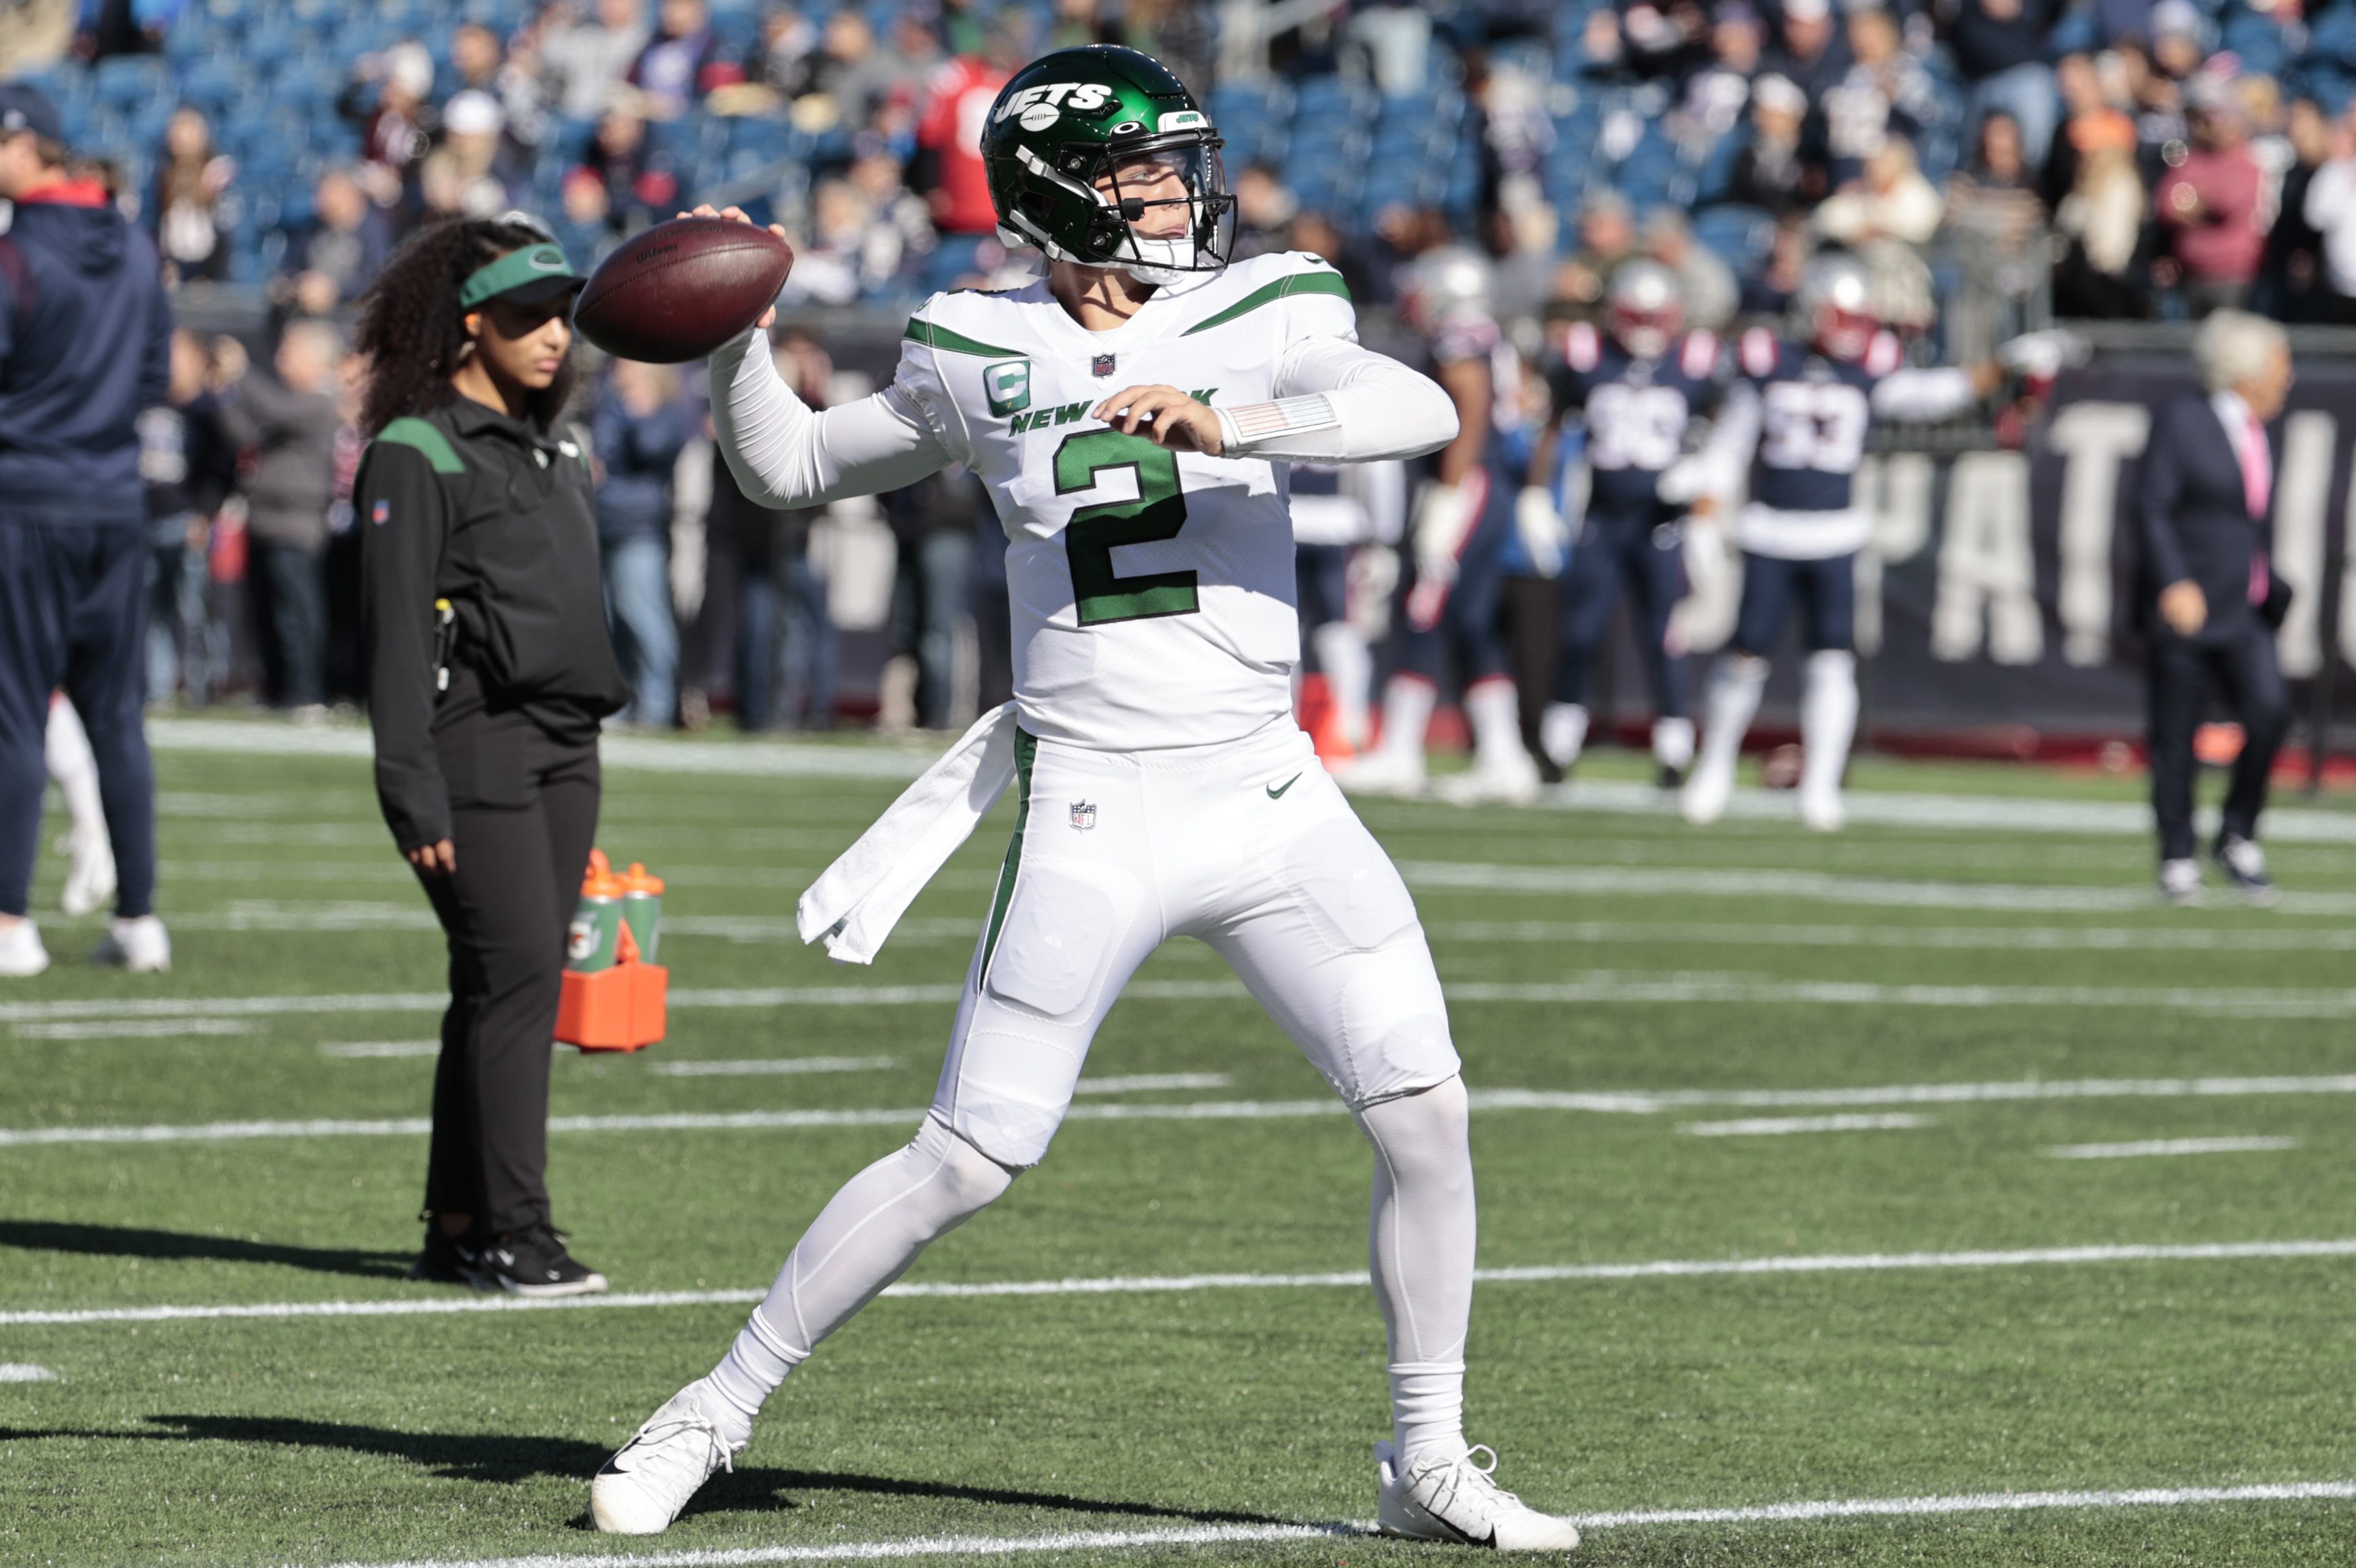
1036	108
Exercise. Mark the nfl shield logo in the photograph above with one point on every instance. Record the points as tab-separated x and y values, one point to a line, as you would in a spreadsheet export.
1101	365
381	511
1084	815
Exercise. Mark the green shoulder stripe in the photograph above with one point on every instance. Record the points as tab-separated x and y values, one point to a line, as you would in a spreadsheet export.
421	436
1269	294
924	332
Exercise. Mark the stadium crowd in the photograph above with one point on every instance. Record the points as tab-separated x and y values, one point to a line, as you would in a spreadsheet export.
1996	163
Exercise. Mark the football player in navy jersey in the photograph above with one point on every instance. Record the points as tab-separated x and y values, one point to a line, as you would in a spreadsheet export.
1796	418
1636	386
1462	526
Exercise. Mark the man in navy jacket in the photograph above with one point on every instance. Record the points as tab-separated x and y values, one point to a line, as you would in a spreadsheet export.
85	344
2209	599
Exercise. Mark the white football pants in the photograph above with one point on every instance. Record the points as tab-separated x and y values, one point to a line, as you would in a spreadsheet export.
1251	848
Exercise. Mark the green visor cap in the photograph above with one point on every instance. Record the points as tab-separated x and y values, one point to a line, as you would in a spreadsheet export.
528	276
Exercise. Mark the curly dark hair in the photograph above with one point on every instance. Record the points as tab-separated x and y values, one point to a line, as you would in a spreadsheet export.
413	330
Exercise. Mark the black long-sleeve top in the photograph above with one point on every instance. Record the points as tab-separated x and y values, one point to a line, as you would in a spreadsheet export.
495	515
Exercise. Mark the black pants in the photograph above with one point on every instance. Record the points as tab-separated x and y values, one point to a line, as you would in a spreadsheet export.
73	614
523	813
1645	558
2244	662
295	588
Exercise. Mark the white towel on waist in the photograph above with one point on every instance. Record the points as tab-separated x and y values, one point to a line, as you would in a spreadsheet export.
871	885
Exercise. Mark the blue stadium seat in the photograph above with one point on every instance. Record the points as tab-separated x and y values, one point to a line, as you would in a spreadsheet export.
125	81
1740	235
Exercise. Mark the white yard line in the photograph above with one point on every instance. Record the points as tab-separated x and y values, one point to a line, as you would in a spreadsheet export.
1485	876
132	1028
370	1050
2057	938
1150	1083
774	1065
25	1373
1672	1268
747	758
1639	1102
1768	1126
1815	1511
2160	1146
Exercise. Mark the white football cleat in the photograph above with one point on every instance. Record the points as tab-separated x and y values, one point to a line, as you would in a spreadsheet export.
641	1488
89	877
1384	770
1487	783
140	945
1456	1499
1822	811
1704	799
22	956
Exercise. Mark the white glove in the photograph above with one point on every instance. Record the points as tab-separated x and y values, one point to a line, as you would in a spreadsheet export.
1688	481
2041	355
1546	538
1442	519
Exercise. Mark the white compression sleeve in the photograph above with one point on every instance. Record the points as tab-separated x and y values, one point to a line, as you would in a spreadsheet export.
1934	392
784	455
1420	1248
66	749
1337	403
864	1238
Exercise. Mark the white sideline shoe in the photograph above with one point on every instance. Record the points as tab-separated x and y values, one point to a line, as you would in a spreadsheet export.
89	877
641	1488
1704	799
1513	783
22	956
140	945
1455	1500
1382	771
1823	811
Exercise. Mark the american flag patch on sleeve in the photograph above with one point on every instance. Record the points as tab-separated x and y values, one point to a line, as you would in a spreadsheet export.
1258	422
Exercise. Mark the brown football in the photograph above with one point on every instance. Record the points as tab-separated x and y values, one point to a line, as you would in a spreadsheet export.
682	289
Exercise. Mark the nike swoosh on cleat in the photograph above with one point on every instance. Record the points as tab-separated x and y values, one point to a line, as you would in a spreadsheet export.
1275	792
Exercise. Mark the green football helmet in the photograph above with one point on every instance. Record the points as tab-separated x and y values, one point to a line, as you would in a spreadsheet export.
1070	128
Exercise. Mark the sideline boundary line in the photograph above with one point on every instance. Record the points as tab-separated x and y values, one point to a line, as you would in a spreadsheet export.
1228	1534
1624	1102
1543	1273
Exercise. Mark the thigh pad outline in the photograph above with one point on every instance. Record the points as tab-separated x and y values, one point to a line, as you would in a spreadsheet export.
1351	890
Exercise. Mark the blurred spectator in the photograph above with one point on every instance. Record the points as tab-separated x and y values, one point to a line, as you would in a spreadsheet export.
934	522
339	253
781	59
1264	210
480	63
853	74
1813	56
674	69
1767	290
2291	281
2089	118
1075	23
1716	94
949	160
786	645
585	60
188	468
1315	233
636	188
584	219
828	269
388	96
467	175
1607	236
2103	223
1772	171
2331	206
2000	49
1886	92
347	659
1885	216
2213	206
899	230
289	424
1708	284
639	425
194	207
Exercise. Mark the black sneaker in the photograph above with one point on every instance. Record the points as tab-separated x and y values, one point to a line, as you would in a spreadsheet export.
1668	776
447	1260
534	1262
2245	865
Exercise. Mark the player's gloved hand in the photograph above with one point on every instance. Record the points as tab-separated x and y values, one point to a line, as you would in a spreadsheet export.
2043	355
738	215
1545	537
1441	521
1165	416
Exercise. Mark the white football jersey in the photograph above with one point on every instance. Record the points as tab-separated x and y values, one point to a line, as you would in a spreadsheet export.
1150	592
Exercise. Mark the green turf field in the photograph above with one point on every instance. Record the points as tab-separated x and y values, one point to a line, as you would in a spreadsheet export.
1675	1034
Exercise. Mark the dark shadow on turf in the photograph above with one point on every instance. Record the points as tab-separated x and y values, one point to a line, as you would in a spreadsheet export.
124	1242
505	1460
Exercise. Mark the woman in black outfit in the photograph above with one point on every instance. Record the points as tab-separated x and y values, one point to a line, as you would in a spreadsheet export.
489	670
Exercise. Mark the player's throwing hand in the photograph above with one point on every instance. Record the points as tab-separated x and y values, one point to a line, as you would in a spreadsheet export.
1165	416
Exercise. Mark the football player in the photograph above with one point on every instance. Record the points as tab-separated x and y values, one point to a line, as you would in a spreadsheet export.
1636	387
1131	415
1798	417
1347	519
1464	521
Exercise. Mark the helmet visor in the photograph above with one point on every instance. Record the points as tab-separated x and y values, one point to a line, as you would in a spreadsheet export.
1167	204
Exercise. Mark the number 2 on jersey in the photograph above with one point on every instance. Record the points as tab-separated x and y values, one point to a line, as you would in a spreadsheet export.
1159	511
